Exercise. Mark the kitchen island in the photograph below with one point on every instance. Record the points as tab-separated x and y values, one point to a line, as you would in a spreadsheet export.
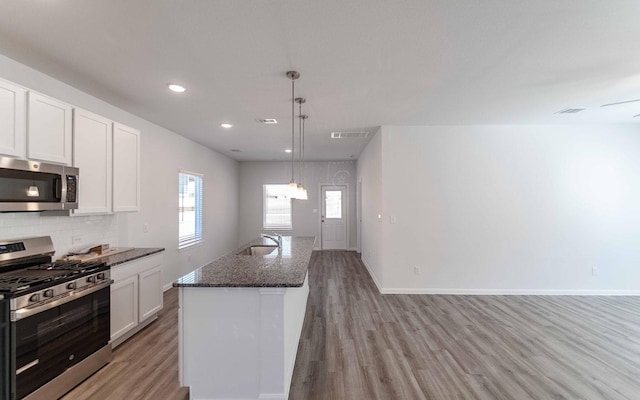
240	320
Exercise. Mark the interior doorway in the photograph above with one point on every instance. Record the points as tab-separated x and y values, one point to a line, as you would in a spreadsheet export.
333	217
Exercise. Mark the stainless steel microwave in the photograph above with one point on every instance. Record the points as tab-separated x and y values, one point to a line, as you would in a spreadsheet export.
27	185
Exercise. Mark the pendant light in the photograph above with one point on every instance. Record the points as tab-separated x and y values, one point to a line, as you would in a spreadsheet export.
302	192
293	186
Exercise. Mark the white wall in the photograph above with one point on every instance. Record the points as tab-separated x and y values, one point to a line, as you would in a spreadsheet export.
511	209
162	153
370	175
306	222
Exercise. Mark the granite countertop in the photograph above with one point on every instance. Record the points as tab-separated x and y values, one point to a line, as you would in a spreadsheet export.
286	267
122	256
133	254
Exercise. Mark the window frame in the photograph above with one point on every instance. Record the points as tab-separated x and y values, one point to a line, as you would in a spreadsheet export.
197	238
285	189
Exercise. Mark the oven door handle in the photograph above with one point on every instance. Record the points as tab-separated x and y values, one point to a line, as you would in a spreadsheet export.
27	312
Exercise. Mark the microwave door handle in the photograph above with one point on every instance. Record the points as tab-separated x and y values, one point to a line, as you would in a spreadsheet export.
58	189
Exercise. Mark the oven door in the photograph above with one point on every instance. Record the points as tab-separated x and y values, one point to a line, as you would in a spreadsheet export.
51	341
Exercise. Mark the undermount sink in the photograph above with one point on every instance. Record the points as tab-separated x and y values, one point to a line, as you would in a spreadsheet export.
257	250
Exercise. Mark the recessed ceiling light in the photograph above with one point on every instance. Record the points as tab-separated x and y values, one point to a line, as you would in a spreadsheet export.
287	151
176	88
267	121
226	126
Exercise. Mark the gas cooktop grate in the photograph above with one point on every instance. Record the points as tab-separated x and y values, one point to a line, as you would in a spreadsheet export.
22	279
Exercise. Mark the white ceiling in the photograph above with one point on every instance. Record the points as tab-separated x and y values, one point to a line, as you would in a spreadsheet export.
364	63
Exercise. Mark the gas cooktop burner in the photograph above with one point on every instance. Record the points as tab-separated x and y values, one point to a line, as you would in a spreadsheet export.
32	277
66	265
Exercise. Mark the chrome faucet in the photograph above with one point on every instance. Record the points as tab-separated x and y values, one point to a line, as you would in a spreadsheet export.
277	238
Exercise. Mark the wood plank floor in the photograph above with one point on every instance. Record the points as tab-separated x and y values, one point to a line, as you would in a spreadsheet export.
144	367
359	344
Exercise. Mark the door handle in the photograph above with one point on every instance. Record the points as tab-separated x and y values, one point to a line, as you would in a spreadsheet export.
322	219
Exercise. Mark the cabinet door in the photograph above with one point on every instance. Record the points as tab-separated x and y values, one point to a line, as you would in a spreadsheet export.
12	120
150	291
48	129
126	168
124	306
92	154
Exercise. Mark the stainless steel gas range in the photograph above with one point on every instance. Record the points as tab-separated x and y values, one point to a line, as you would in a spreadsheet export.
54	320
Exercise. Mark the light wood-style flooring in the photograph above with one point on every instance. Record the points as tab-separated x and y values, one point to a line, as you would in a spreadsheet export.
144	367
358	344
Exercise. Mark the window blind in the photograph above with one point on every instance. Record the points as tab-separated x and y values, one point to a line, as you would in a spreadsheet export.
276	207
189	209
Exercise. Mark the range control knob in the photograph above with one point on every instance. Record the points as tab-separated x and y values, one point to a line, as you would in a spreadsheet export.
101	276
72	286
34	298
48	293
91	279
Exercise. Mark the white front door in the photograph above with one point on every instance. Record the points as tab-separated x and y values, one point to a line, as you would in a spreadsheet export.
334	217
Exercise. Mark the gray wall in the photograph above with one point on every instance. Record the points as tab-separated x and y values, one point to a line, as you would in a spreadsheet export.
508	209
306	213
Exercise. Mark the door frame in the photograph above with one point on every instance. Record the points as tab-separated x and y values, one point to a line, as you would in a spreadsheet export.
359	215
346	211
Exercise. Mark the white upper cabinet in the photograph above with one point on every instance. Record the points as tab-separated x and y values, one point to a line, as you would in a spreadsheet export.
126	168
48	129
12	120
92	154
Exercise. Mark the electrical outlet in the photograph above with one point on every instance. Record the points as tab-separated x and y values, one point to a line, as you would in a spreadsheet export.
594	271
392	219
76	239
145	227
416	270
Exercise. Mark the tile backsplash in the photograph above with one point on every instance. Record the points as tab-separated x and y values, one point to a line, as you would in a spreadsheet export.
67	233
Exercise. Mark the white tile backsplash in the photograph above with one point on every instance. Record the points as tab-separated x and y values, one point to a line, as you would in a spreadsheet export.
91	229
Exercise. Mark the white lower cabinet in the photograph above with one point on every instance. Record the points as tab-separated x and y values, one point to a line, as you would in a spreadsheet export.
150	290
136	296
124	306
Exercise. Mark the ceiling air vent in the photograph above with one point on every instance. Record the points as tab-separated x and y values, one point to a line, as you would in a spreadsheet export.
267	121
236	150
349	135
571	110
620	102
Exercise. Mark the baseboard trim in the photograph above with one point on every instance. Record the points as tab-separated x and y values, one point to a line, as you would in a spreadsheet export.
272	396
371	274
167	287
507	292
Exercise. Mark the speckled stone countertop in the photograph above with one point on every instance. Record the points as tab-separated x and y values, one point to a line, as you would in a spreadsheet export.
130	255
286	267
126	256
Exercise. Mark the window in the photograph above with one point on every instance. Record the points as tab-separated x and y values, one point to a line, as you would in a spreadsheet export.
333	204
276	207
189	209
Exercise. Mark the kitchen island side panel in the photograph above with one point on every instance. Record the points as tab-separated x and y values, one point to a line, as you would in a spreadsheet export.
240	343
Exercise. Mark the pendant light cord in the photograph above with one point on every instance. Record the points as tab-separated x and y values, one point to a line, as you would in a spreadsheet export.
293	111
300	140
302	151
